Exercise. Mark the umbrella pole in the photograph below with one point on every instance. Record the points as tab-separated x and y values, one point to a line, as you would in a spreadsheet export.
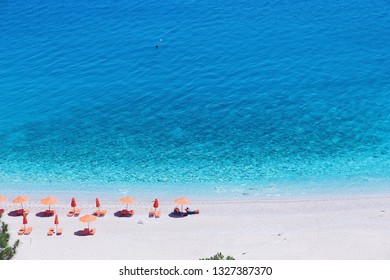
22	205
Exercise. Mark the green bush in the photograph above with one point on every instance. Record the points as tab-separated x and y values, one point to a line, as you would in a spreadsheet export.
6	252
219	256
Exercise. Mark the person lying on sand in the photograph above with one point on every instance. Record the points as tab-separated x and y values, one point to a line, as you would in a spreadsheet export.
192	212
177	211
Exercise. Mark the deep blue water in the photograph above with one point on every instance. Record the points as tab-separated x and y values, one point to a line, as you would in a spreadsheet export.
238	93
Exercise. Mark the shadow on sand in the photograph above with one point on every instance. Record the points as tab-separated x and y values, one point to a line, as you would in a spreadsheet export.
14	213
43	215
175	215
118	214
80	233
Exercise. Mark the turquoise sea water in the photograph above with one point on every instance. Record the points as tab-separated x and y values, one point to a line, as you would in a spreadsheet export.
261	98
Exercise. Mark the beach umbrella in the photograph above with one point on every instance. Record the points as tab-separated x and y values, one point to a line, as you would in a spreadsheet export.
98	204
155	204
20	199
73	204
56	221
50	200
127	200
25	222
87	219
182	201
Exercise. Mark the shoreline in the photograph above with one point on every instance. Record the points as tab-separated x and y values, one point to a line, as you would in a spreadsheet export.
313	228
201	192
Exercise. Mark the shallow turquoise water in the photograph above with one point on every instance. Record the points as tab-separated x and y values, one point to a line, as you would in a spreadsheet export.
237	94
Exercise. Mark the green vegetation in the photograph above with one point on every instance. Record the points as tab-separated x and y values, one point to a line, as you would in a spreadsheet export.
6	251
219	256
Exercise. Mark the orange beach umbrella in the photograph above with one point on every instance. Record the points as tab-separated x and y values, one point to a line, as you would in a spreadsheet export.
56	221
20	199
73	204
87	219
182	201
155	204
50	200
25	222
127	200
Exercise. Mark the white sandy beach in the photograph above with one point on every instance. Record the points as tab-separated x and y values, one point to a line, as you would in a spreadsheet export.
318	228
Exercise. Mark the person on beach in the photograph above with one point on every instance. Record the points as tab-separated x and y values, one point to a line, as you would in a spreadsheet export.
192	212
177	212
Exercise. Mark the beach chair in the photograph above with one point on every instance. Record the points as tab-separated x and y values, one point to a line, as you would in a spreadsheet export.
59	231
28	231
50	212
71	213
92	231
77	212
20	212
158	213
21	231
100	213
151	213
50	232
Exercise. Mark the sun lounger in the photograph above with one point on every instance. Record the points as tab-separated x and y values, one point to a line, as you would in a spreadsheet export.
151	213
100	213
28	231
87	231
70	214
126	212
59	231
50	212
50	232
21	231
20	212
158	213
77	212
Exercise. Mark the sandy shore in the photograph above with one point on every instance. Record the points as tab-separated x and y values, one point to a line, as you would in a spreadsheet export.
332	228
